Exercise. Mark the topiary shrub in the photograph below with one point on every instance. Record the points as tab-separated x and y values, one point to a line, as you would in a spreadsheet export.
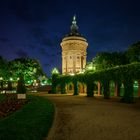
76	92
106	91
21	88
63	90
54	83
128	96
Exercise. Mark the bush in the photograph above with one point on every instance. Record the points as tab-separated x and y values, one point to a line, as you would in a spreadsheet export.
21	88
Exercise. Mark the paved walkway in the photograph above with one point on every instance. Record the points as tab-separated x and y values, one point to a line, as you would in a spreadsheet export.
82	118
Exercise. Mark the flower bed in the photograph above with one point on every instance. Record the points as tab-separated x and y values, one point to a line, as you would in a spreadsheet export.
10	104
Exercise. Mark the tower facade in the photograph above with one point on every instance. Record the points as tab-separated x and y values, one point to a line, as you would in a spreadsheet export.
74	53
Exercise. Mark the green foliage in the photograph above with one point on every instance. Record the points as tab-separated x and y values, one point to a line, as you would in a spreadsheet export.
106	91
90	67
75	87
62	81
21	85
90	85
63	90
29	68
9	85
4	69
55	74
2	97
54	82
133	52
32	122
55	71
128	91
107	60
120	74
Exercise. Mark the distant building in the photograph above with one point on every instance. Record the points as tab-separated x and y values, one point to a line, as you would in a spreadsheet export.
74	52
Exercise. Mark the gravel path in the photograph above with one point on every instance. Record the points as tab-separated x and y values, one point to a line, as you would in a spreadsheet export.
82	118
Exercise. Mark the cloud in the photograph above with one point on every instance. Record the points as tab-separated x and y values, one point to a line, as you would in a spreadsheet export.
21	53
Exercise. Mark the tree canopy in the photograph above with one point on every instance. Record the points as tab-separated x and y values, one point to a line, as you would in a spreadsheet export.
29	68
133	52
105	60
4	71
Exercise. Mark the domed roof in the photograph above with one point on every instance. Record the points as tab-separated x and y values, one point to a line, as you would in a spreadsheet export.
74	29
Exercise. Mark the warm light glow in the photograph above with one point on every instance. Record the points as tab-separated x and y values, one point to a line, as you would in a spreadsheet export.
72	74
82	71
73	50
90	67
11	79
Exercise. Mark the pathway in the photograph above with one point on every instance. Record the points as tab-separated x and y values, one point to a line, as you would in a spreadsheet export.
82	118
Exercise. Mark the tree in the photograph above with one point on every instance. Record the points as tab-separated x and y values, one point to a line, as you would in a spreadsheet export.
133	52
106	60
4	71
55	73
29	68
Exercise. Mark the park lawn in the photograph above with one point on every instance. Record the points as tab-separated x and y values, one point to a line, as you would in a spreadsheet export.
31	122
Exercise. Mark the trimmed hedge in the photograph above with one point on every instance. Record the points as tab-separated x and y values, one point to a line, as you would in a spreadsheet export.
125	74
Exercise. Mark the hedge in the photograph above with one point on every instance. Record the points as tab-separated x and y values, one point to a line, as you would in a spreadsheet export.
125	74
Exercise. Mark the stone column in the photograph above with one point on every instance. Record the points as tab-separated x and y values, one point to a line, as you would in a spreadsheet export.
80	61
84	61
74	63
99	88
116	90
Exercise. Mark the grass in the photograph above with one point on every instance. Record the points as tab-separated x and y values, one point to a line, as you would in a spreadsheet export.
1	97
32	122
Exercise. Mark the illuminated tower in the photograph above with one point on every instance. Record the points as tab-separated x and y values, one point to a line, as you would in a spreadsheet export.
74	53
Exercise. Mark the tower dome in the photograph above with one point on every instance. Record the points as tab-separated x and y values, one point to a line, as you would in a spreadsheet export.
74	53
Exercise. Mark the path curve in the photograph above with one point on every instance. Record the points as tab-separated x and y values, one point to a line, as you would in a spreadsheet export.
82	118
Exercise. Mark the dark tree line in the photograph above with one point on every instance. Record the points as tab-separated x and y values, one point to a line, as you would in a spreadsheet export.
104	60
28	68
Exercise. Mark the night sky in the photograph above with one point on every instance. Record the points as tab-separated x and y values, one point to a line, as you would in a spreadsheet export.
35	28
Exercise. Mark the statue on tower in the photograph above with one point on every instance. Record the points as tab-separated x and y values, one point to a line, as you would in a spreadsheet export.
74	27
74	20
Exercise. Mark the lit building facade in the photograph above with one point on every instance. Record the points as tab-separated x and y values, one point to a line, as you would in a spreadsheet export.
74	53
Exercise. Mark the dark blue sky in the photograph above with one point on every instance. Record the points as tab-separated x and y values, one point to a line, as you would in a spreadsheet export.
35	28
